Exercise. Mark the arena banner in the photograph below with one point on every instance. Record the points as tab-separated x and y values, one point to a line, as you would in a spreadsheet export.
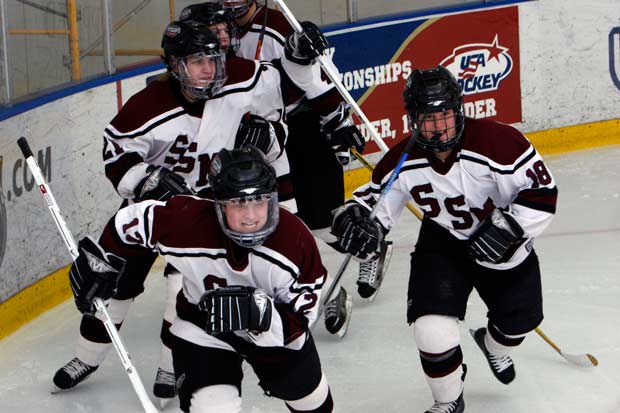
480	48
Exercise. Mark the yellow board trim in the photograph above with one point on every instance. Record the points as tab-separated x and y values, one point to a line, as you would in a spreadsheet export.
34	300
54	289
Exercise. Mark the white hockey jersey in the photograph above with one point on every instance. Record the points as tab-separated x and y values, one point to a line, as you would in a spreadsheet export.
157	126
185	231
494	165
316	87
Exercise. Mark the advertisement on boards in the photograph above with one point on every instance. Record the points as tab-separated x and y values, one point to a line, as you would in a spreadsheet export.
480	48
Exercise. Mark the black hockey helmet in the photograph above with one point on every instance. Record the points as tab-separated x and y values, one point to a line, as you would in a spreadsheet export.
237	8
243	178
210	14
432	91
189	39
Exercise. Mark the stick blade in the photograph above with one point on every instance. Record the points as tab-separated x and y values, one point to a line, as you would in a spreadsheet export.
583	360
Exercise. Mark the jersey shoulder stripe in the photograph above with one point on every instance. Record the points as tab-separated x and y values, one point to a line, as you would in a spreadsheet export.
153	102
116	130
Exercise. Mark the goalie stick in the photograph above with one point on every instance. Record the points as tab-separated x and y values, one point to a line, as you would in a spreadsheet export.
102	312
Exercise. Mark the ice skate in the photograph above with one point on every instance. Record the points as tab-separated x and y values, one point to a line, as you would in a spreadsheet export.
338	313
164	387
71	374
502	366
372	273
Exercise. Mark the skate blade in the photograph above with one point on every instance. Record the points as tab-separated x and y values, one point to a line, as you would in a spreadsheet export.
55	389
343	330
163	403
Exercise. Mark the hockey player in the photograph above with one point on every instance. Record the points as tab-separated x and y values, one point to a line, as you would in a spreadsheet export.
252	279
162	142
486	193
315	138
329	107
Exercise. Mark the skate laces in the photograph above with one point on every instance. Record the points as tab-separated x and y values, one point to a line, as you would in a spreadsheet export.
332	309
368	271
165	377
439	407
500	363
76	368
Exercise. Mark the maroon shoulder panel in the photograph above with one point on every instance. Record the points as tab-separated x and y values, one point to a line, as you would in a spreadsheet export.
156	98
500	142
239	70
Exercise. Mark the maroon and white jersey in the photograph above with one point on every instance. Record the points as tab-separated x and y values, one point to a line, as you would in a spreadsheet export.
494	165
277	28
158	126
186	232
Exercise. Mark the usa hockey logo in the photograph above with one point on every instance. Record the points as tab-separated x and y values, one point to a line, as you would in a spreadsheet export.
479	67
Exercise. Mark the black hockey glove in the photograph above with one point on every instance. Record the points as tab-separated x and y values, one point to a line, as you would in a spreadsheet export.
302	48
160	184
357	234
235	308
494	236
342	134
95	273
257	131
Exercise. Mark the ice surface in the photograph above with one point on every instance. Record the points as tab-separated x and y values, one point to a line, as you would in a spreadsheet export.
376	368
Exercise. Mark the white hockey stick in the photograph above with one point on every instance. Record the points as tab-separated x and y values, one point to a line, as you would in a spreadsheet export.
332	73
583	360
102	312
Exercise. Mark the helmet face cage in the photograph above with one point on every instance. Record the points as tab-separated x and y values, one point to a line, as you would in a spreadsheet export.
242	178
200	88
265	206
434	102
237	8
188	44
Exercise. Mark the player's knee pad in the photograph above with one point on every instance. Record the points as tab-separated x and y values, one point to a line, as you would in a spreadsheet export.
220	398
436	333
319	401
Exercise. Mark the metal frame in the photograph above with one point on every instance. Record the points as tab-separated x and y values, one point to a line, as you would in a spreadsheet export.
108	37
5	98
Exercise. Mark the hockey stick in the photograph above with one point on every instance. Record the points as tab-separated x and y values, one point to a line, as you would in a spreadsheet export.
419	215
583	360
102	312
332	73
373	213
259	45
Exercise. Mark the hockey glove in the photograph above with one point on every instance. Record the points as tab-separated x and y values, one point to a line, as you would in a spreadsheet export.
160	184
341	133
302	48
357	234
257	131
95	273
235	308
494	236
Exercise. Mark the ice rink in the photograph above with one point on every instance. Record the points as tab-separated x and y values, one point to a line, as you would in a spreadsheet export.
376	367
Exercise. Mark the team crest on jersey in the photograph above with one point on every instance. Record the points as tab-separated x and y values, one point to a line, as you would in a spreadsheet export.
479	67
